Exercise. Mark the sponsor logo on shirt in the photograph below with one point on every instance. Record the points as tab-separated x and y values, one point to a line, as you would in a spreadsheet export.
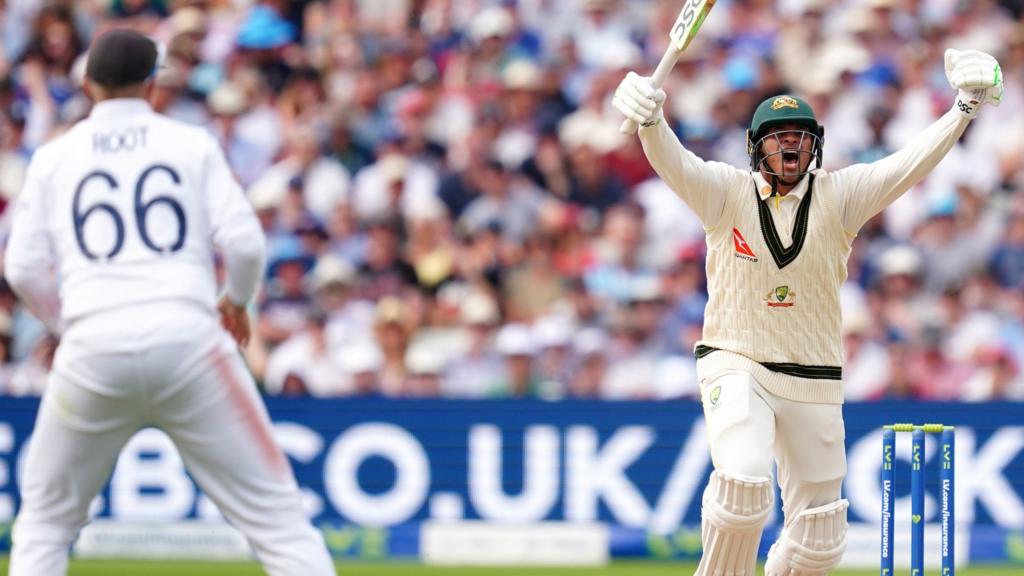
742	248
780	297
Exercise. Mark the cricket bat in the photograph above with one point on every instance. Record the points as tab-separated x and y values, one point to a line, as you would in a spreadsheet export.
683	31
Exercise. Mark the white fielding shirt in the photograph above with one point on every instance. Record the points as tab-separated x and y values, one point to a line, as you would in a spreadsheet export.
782	323
126	208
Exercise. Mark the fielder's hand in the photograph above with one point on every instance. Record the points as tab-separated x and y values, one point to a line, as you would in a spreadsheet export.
977	77
638	100
234	319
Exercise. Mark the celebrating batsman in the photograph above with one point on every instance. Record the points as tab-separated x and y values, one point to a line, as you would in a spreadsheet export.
770	360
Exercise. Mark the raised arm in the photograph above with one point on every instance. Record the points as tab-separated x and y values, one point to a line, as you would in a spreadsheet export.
702	185
866	189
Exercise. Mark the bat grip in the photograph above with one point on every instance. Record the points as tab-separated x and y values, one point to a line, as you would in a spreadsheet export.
668	61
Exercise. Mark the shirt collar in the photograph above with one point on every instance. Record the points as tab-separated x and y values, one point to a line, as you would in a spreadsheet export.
119	107
764	187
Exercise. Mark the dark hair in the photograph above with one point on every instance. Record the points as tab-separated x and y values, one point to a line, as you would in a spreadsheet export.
121	58
35	48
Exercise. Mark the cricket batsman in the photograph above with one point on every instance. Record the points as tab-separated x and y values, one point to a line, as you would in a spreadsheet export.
770	359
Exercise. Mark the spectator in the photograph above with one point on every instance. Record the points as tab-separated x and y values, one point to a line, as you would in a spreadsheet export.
933	375
29	378
393	327
384	271
555	356
686	296
431	250
533	287
44	73
286	307
997	377
476	367
246	129
13	154
637	349
866	372
592	368
306	358
394	184
518	350
587	138
437	174
506	200
1008	256
169	96
362	362
424	370
619	259
323	181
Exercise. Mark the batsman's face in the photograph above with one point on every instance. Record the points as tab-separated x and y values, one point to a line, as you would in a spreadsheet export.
788	151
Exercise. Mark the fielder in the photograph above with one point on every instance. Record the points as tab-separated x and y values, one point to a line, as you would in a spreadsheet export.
127	207
769	363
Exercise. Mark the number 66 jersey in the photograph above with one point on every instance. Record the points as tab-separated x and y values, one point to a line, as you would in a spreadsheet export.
127	208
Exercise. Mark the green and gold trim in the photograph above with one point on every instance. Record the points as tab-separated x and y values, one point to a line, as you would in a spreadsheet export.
785	256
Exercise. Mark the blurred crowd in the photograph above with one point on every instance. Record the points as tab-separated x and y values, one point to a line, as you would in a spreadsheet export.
451	210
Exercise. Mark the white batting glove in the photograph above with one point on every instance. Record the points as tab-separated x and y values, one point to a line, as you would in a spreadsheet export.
977	78
638	100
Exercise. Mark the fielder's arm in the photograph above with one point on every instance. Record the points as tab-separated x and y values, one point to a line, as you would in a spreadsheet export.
236	231
234	227
29	261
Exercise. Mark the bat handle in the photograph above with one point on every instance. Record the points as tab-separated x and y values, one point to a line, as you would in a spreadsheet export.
668	61
628	127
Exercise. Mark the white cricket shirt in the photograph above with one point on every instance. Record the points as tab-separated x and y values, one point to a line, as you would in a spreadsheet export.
127	207
774	270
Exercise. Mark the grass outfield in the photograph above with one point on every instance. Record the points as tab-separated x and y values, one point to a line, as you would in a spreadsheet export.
111	568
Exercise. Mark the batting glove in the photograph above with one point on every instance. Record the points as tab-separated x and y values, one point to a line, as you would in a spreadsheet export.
977	78
638	100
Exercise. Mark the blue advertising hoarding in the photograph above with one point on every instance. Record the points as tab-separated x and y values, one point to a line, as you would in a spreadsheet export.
371	470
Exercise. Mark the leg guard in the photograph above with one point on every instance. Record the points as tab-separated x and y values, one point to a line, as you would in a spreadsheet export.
735	509
813	545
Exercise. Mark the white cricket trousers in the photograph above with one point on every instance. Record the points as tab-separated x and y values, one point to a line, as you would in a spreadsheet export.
197	391
749	426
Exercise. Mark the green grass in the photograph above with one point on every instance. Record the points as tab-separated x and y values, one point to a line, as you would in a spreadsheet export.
122	568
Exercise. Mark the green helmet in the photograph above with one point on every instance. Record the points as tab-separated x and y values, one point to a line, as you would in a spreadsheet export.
783	109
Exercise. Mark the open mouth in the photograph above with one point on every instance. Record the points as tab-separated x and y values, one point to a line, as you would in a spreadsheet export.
791	161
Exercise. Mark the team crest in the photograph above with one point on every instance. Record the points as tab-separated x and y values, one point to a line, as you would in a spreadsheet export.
781	292
780	297
785	102
714	396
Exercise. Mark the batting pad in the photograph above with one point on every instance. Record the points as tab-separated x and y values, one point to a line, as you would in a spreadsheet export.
813	545
735	509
